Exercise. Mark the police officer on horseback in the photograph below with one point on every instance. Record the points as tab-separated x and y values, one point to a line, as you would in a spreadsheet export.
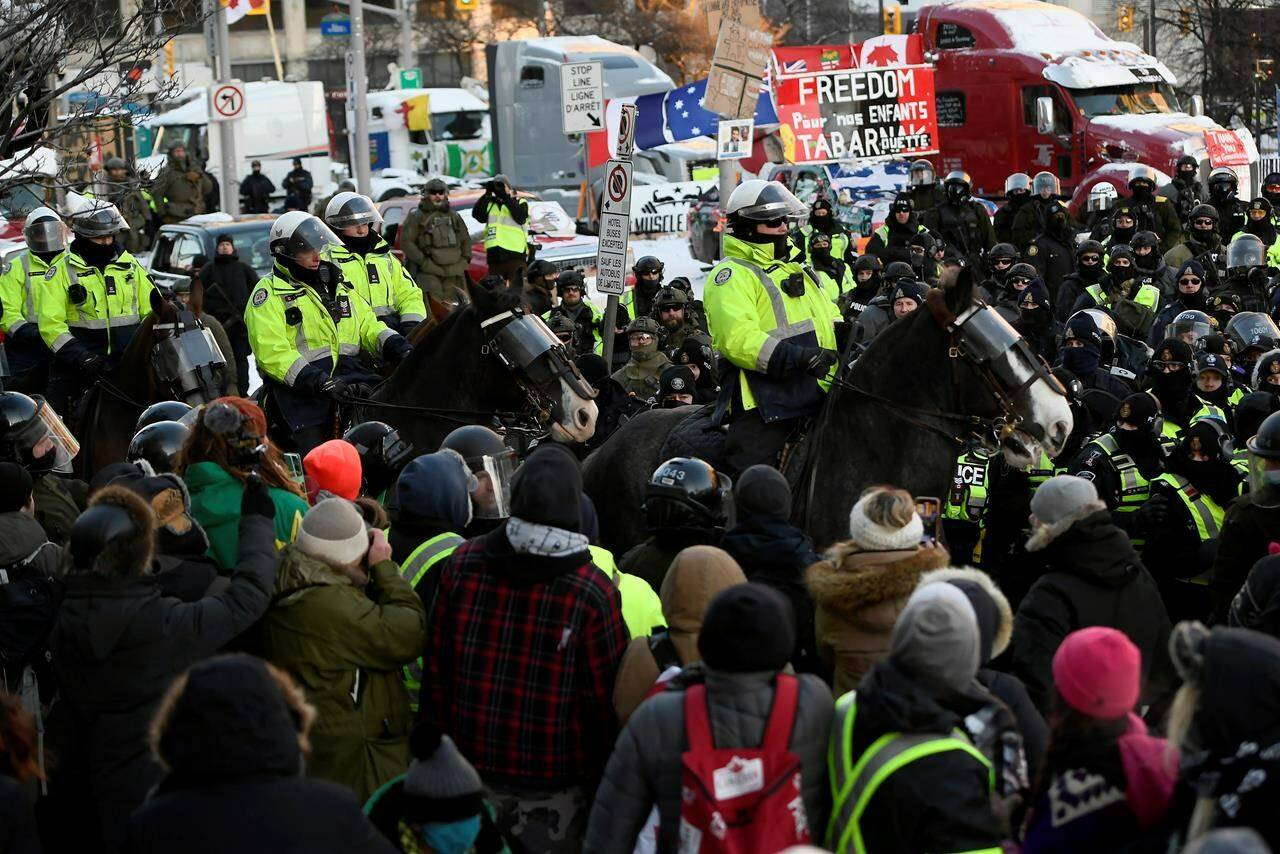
773	323
307	326
92	299
27	353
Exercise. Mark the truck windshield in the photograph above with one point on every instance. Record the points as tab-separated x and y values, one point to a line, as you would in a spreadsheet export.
1134	99
464	124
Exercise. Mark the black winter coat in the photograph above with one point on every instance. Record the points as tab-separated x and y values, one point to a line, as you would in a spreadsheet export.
1257	605
117	646
1068	293
1247	533
1093	578
227	282
255	193
1053	259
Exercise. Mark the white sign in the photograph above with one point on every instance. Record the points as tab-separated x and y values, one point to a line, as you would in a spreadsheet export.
617	187
226	101
733	139
626	132
615	229
582	97
664	208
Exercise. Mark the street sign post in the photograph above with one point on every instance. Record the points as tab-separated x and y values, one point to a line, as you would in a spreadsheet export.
226	101
627	132
411	78
611	254
582	97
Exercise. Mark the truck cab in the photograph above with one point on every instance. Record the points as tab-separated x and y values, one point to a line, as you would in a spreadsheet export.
1024	86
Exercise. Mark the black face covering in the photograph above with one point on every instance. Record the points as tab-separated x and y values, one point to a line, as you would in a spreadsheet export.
95	254
1197	301
1139	444
1148	262
648	287
1171	389
1144	194
1092	275
361	245
1222	192
1123	235
1262	229
48	257
322	281
1218	478
824	222
821	257
1218	397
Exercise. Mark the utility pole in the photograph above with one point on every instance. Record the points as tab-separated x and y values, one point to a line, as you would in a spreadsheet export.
1151	25
228	180
357	87
407	58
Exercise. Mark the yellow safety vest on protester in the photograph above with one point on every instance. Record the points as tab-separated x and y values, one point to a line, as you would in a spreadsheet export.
413	570
502	231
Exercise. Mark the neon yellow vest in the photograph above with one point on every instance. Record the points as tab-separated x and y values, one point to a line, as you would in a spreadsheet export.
503	232
414	569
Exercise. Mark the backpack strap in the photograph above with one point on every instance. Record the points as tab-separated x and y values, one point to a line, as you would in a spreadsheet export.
697	726
786	698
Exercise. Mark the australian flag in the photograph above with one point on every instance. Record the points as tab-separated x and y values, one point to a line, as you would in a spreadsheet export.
678	115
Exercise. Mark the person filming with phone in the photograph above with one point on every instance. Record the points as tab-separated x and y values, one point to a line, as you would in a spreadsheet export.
506	220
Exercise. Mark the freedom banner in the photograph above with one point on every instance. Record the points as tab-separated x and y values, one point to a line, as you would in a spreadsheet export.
857	114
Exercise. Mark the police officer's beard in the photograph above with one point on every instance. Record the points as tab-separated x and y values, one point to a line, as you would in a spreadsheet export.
95	254
363	244
645	352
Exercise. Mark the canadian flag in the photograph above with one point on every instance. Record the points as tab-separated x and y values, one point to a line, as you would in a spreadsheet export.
885	51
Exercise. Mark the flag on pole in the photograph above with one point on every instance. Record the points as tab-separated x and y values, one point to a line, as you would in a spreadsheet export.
237	9
416	112
259	7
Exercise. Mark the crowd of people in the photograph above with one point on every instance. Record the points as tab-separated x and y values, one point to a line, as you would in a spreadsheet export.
263	629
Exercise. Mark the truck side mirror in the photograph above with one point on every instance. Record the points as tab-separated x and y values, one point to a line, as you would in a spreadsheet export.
1197	105
1044	115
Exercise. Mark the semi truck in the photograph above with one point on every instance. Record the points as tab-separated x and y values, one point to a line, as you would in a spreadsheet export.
1024	86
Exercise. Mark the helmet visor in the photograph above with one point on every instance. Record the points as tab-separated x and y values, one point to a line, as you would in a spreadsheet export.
1045	183
492	496
1245	253
358	210
45	235
311	235
179	358
1263	473
1197	329
58	439
99	221
774	202
922	174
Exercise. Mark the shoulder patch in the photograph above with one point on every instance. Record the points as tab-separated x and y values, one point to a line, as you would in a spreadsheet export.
723	276
259	297
1033	249
51	272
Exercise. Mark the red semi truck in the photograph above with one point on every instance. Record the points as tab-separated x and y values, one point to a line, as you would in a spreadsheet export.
1024	86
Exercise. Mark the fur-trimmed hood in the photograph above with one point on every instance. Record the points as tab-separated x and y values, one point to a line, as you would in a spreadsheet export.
1046	534
1002	632
849	580
123	556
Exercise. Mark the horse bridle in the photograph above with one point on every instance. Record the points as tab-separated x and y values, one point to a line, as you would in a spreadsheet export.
979	338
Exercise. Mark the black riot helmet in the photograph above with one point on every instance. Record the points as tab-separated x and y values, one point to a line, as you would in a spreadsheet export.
486	455
687	494
1223	184
957	185
1266	443
165	410
382	454
25	425
158	444
648	265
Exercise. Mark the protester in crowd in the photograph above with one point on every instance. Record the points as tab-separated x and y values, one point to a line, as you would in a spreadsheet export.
1093	577
299	183
256	190
525	593
745	642
332	469
20	770
182	567
863	583
1226	723
27	557
226	282
343	623
1252	522
1257	605
229	442
1106	783
773	552
118	644
697	576
641	607
233	735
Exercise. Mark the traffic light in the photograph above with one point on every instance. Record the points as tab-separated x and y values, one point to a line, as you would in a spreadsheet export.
892	18
1184	21
1124	19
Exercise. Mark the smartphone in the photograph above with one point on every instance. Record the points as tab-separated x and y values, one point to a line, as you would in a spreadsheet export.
293	464
930	511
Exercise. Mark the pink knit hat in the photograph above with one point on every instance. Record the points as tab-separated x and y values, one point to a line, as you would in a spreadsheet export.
1097	671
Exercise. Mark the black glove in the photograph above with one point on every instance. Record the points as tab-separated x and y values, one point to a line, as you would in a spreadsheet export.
335	389
397	349
1151	515
92	365
256	500
817	361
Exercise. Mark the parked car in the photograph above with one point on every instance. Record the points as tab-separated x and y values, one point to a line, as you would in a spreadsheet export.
182	248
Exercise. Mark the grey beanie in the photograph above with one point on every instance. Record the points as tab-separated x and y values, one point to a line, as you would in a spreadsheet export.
333	532
936	638
440	785
1062	497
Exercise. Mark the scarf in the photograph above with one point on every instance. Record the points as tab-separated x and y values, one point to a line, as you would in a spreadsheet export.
543	540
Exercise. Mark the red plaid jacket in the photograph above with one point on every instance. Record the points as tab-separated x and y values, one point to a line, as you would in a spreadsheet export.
520	662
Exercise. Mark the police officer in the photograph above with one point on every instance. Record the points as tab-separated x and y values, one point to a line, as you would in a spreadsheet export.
1034	216
822	220
1082	354
585	316
1124	225
925	192
1017	193
1261	225
835	274
1214	384
962	221
1172	380
1189	325
540	286
1223	187
1100	205
1148	261
1122	463
307	327
26	351
369	266
164	410
639	300
383	455
997	264
1252	522
669	311
676	386
866	284
771	321
1201	242
1250	334
33	436
891	241
506	220
1248	281
1150	211
1052	251
1184	190
639	376
493	464
92	299
1133	302
1088	271
564	329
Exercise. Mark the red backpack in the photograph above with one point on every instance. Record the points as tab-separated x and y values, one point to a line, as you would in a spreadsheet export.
741	799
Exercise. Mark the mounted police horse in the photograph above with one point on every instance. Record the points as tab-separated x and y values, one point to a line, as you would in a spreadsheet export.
900	415
486	361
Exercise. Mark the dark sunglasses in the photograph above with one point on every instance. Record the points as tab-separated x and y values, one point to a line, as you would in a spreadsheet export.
1018	280
666	308
1189	281
1090	260
775	222
1004	262
1202	220
1167	367
437	193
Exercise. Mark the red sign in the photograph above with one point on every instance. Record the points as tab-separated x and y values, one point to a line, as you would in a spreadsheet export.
878	51
1225	148
857	114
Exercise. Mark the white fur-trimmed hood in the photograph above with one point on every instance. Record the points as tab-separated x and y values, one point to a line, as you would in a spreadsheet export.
1046	534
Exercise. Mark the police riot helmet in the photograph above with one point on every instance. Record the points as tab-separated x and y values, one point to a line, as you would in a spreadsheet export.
44	232
493	464
98	219
1266	443
348	210
922	174
1245	252
1142	173
165	410
1187	164
648	264
957	185
572	279
898	270
670	296
561	326
686	493
298	232
763	201
539	268
158	444
1223	176
382	454
1018	182
1046	182
1194	323
25	424
1102	197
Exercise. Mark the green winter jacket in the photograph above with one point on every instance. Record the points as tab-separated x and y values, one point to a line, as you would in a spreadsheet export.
346	647
215	503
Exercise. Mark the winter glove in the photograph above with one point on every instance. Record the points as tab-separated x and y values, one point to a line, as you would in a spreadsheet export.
92	365
397	349
256	500
818	361
1151	515
335	389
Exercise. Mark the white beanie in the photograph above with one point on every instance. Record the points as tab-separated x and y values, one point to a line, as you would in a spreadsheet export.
333	532
869	536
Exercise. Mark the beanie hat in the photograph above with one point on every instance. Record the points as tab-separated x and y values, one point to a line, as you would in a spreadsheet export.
249	411
1062	497
333	468
546	487
436	488
869	536
1193	267
333	532
935	638
224	238
990	607
440	785
747	628
594	369
15	487
1097	671
762	491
